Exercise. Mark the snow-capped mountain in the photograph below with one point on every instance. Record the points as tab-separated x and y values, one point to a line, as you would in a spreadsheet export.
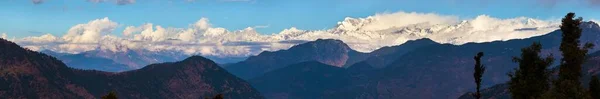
361	34
420	69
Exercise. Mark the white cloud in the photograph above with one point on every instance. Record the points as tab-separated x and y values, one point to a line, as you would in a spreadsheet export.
90	32
362	34
389	20
44	39
3	36
147	32
202	24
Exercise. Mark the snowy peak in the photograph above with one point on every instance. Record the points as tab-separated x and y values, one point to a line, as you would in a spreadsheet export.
390	20
352	24
485	22
590	25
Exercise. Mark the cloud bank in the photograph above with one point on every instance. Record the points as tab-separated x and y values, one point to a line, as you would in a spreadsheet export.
362	34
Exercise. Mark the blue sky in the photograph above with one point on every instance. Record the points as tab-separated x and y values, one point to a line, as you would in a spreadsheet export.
21	18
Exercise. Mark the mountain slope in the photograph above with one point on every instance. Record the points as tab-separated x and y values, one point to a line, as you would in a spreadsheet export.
29	74
327	51
105	60
306	80
136	58
445	71
23	74
82	61
590	67
384	56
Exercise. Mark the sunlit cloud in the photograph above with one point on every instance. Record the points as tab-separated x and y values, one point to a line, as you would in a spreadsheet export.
361	34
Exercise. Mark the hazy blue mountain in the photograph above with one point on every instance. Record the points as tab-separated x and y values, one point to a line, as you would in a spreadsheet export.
52	53
105	60
81	61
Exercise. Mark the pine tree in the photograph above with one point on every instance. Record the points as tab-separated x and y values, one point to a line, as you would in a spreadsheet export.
568	85
110	95
531	79
595	87
479	69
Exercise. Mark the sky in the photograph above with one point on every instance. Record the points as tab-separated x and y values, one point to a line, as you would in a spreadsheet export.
22	18
240	28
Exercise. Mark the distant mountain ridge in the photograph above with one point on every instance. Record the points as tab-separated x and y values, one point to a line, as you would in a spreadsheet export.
305	80
29	74
384	56
327	51
105	60
425	70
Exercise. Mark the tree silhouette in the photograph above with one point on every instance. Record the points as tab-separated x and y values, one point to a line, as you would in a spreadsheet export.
595	87
568	85
479	69
219	96
110	95
531	79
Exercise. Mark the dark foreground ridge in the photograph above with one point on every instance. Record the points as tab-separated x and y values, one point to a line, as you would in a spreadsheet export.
29	74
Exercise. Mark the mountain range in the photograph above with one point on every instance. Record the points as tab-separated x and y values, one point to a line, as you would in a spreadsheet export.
324	68
425	70
327	51
29	74
117	61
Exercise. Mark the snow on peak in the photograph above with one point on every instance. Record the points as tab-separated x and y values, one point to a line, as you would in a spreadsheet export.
361	34
389	20
3	36
291	30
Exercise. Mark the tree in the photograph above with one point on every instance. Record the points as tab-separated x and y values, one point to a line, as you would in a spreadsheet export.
595	87
219	96
531	79
479	69
110	95
568	85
